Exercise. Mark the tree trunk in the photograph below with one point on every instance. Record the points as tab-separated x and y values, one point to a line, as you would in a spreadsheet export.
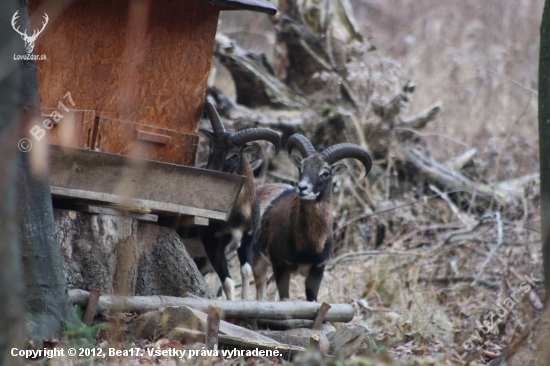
12	321
124	256
534	347
544	144
47	301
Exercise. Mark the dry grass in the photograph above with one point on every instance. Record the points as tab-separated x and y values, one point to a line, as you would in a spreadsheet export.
422	278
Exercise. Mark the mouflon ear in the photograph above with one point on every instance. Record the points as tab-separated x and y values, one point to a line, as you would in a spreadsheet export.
295	160
206	133
250	149
256	164
338	169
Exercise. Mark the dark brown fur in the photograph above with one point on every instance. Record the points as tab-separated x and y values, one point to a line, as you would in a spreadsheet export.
293	233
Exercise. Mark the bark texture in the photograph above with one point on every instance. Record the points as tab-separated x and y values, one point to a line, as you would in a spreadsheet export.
544	143
47	301
124	256
534	347
12	321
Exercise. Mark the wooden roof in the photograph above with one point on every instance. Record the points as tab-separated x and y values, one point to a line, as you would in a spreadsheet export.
262	6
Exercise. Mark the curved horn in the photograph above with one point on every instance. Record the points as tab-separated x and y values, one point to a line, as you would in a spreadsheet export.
342	151
214	118
253	134
301	143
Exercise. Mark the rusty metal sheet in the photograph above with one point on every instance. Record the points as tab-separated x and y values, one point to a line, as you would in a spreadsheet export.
262	6
164	188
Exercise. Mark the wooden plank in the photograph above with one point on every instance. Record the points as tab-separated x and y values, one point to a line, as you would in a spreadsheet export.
153	137
158	207
114	212
73	130
238	309
186	221
200	221
139	140
162	187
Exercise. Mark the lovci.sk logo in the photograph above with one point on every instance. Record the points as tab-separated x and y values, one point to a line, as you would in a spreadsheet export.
29	40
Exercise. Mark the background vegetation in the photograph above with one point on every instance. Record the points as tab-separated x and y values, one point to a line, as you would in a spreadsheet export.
424	271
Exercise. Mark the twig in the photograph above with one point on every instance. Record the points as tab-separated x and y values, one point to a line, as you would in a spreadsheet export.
486	69
492	252
392	209
430	135
388	178
459	232
465	220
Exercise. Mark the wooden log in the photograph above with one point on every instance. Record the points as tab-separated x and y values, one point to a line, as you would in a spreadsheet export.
300	337
91	309
346	340
284	350
186	336
240	309
212	327
184	324
255	81
283	324
315	342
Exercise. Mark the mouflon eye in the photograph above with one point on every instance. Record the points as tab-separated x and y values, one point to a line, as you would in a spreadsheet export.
232	157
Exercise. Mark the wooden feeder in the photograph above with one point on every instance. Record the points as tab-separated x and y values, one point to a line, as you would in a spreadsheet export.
137	73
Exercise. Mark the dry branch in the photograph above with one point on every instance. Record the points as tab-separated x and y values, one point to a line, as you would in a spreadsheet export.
246	309
439	175
420	120
461	161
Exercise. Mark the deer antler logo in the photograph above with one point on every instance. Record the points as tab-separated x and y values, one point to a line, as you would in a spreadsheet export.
29	41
